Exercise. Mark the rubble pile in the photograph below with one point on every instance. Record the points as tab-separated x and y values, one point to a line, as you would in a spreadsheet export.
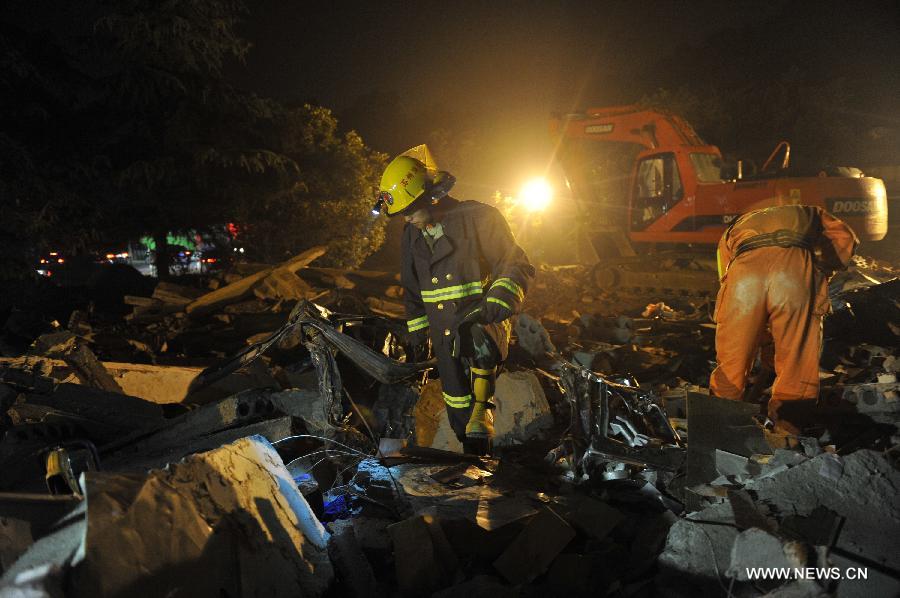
269	434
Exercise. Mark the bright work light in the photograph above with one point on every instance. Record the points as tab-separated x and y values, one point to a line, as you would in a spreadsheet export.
536	195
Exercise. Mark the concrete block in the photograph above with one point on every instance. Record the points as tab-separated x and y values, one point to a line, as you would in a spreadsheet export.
697	554
590	516
416	556
756	548
531	553
863	490
154	383
355	575
230	521
521	408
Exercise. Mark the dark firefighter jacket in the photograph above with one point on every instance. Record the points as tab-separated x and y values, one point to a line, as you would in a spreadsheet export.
475	260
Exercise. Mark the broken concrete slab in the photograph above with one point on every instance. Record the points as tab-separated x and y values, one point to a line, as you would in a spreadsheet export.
432	427
371	533
106	414
697	552
490	506
535	548
229	521
521	408
35	569
243	288
68	347
420	555
155	383
590	516
863	493
40	581
718	424
353	570
756	548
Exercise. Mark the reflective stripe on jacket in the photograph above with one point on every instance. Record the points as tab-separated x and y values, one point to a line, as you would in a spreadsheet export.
475	259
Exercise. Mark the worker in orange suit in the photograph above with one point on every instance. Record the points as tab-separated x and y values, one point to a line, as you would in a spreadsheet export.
774	267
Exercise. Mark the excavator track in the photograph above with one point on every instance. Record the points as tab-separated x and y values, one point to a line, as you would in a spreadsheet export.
678	275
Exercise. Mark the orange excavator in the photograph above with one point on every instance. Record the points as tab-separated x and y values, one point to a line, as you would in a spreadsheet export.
644	180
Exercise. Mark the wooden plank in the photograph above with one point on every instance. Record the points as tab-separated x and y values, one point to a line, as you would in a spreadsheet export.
141	301
243	288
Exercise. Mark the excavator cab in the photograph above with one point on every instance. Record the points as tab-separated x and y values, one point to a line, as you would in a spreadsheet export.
658	187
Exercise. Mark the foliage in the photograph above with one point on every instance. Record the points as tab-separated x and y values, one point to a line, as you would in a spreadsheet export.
328	202
816	117
116	121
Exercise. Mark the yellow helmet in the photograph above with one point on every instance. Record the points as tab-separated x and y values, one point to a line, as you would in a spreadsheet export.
407	179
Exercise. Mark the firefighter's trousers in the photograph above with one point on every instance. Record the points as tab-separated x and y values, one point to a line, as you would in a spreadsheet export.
777	287
456	372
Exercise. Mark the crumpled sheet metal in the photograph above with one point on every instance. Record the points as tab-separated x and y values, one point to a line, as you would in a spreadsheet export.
230	521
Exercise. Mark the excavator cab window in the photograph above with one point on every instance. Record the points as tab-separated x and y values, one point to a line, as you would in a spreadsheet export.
658	189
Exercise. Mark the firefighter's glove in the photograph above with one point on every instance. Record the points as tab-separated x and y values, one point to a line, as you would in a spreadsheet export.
500	301
495	310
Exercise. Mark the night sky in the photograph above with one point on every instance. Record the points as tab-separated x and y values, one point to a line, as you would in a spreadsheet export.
490	73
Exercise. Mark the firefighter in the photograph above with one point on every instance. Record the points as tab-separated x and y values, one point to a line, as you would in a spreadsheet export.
463	277
774	268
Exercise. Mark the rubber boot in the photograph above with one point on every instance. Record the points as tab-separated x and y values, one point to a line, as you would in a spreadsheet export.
481	421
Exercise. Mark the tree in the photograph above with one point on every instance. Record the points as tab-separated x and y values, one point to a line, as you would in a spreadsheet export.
329	199
117	122
48	176
188	148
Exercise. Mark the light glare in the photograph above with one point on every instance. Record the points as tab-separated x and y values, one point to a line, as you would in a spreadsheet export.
536	195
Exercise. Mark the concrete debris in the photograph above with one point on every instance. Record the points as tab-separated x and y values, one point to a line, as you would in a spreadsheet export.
80	358
864	495
178	418
352	567
230	520
424	559
244	287
521	408
535	548
592	517
758	548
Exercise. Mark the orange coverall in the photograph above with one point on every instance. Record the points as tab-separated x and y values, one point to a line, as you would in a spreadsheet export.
777	265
